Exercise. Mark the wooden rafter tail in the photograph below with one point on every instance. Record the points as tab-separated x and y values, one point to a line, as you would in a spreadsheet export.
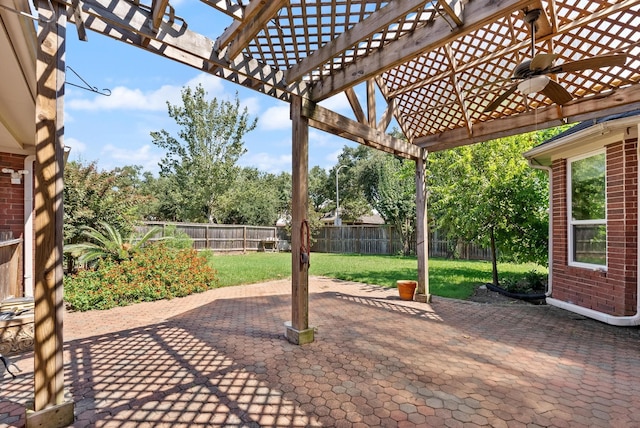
233	10
79	18
239	34
157	12
453	10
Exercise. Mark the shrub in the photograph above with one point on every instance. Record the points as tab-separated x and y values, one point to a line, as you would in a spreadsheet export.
530	282
107	243
176	238
153	273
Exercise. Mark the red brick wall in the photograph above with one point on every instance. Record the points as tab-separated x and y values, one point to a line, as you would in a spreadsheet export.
11	196
614	291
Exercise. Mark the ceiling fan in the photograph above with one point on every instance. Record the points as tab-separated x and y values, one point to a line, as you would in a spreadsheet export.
532	75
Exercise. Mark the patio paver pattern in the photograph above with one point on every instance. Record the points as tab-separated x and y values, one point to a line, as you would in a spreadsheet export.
220	359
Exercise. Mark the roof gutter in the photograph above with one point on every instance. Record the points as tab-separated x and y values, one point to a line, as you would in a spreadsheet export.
596	130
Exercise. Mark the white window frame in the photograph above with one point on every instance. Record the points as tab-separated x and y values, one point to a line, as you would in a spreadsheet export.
571	223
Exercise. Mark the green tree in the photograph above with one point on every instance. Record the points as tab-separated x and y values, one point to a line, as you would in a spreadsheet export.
164	198
92	196
253	199
388	184
486	193
353	203
318	189
200	163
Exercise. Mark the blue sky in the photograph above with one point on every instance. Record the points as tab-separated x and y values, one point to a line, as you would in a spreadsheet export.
114	130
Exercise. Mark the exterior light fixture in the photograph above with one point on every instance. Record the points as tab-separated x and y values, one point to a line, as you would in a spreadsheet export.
533	84
15	175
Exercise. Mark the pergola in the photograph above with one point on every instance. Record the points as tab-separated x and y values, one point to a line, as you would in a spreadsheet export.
438	65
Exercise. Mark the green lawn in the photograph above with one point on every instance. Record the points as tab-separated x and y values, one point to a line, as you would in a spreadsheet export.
447	278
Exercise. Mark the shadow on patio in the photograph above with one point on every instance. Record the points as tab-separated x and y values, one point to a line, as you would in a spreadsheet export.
220	359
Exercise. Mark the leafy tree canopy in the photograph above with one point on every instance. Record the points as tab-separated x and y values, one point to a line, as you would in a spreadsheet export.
487	193
353	203
389	186
92	196
254	199
200	164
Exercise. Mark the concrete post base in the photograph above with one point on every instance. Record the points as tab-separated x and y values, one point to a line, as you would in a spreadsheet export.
422	298
298	337
57	416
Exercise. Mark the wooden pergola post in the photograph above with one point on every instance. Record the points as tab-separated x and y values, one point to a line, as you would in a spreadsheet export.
50	409
297	330
422	229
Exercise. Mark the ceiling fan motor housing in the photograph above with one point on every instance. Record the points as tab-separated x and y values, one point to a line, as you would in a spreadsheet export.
523	70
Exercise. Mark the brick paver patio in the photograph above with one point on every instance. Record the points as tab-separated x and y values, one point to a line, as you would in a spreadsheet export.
220	359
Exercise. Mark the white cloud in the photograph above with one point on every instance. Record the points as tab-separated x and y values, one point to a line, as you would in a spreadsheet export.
267	162
324	139
124	98
143	156
338	103
252	104
212	85
332	158
275	118
77	146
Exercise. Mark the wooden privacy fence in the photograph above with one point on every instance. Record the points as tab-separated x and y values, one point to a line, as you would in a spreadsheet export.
384	239
222	237
356	239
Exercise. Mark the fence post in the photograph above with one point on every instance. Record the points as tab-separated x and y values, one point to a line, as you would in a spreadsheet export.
244	239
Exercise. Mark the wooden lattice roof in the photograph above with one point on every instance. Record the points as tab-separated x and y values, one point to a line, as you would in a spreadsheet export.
438	64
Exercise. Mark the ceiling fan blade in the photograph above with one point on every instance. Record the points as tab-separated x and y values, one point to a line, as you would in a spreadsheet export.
501	98
590	63
542	62
556	93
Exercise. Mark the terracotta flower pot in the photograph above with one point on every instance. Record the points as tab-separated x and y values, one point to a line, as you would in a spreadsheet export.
406	288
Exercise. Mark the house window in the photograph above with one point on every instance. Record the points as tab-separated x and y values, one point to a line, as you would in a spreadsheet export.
587	211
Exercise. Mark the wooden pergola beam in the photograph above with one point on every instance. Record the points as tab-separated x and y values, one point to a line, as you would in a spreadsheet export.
371	102
327	120
476	15
256	16
352	97
125	21
387	115
390	110
362	30
621	100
